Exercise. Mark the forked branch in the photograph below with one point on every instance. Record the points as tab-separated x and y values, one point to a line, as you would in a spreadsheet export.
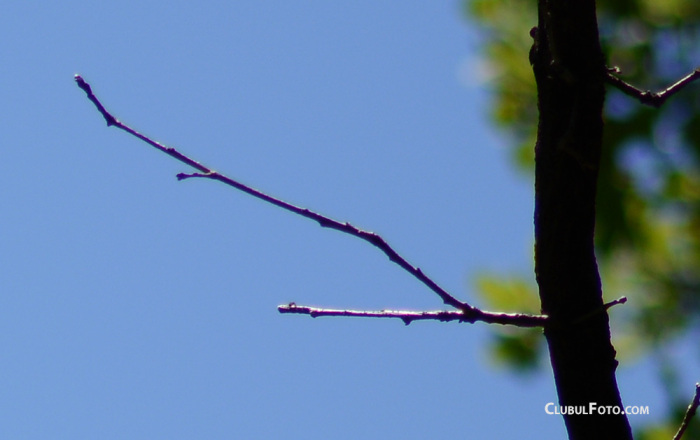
466	312
647	97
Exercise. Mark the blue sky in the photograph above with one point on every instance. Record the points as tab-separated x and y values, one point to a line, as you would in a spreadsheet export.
135	306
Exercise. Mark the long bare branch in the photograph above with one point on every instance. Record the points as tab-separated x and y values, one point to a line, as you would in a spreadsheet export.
408	316
470	313
650	98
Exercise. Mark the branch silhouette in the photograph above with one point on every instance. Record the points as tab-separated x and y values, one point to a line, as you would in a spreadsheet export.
408	316
646	96
690	412
466	312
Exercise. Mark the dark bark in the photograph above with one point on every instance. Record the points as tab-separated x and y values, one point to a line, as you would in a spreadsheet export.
570	70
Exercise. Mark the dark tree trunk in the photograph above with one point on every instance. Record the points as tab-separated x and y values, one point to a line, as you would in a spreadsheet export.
569	69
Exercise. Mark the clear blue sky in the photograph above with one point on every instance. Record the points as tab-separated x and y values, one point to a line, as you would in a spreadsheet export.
135	306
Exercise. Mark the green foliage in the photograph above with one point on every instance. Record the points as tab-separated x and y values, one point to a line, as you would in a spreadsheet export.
509	295
506	25
657	432
513	348
648	225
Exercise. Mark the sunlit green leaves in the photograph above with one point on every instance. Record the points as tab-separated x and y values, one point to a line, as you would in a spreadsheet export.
649	189
511	294
514	348
520	352
506	47
648	207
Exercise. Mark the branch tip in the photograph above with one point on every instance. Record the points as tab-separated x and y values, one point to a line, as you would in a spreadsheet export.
82	84
111	120
620	300
689	414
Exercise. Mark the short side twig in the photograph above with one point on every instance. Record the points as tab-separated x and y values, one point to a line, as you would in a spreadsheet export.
620	300
647	97
692	409
469	311
604	308
519	320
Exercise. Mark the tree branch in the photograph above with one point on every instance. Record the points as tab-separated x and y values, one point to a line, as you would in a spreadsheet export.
515	319
470	313
647	97
692	408
569	68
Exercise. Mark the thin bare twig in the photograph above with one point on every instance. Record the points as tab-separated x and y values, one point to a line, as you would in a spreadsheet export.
470	313
620	300
516	319
647	97
692	408
603	309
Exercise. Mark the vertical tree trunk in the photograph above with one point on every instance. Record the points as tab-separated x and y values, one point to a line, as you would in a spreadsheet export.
569	70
